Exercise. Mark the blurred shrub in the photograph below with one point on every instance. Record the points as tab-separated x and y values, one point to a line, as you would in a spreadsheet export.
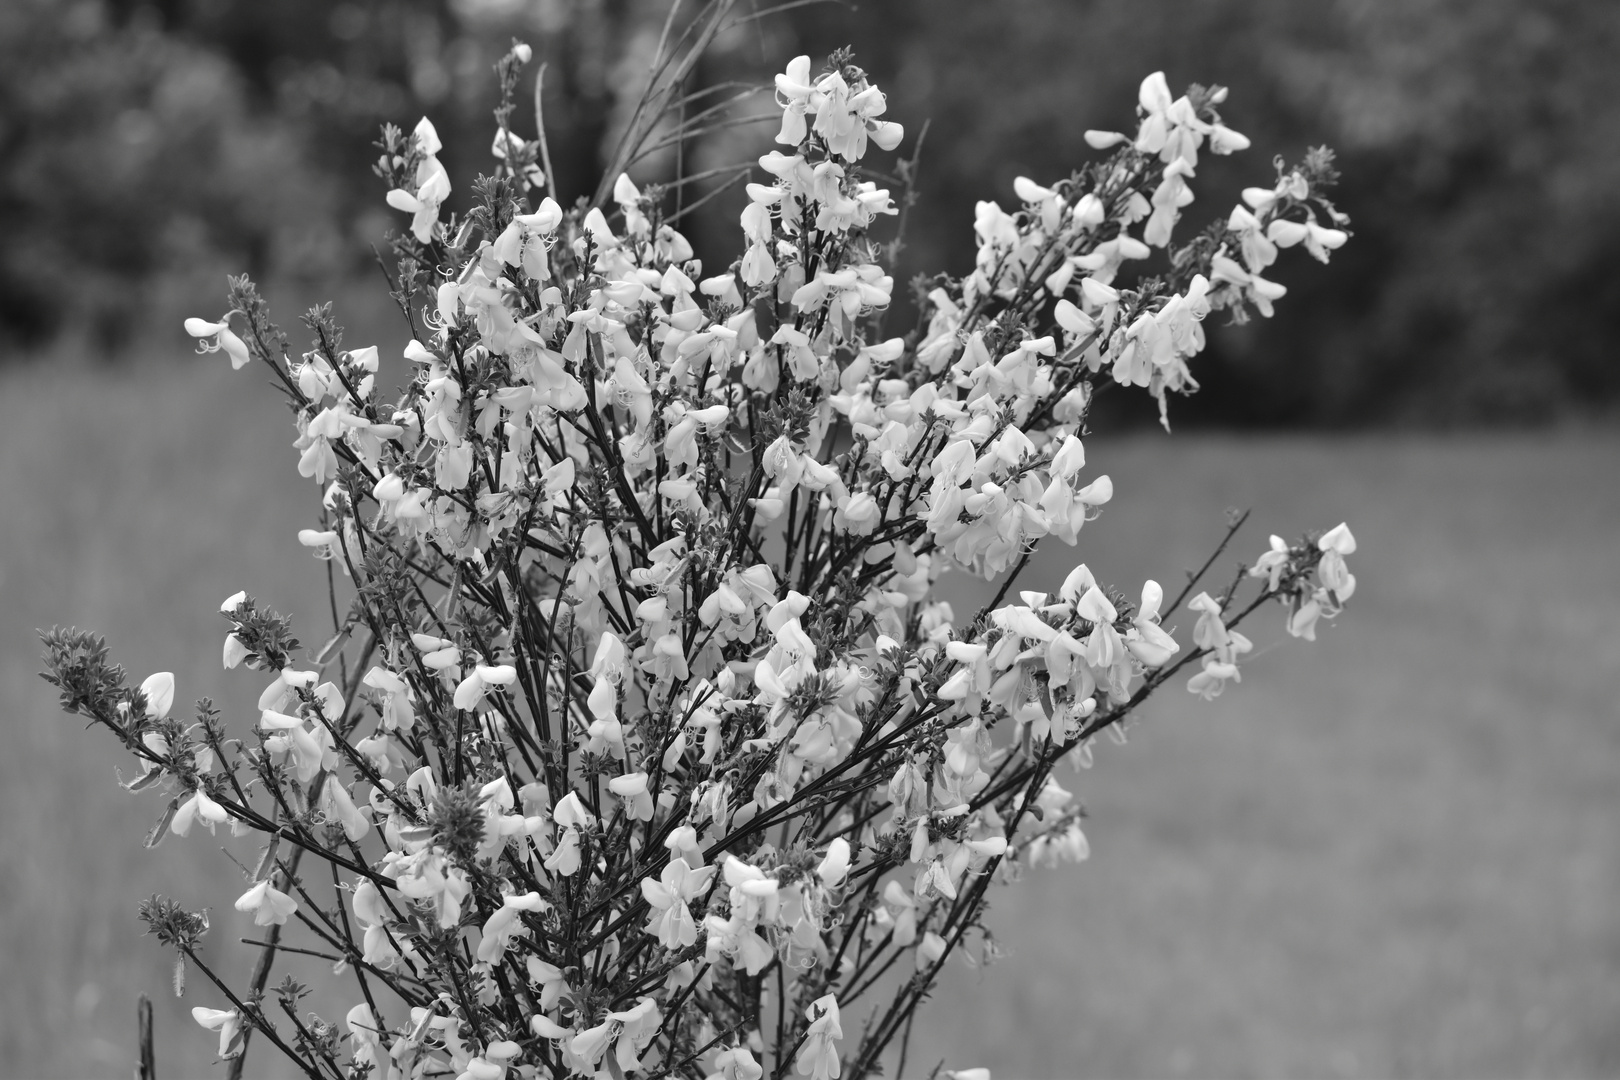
1479	141
130	166
148	148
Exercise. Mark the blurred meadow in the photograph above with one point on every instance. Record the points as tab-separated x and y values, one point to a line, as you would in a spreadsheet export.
1394	852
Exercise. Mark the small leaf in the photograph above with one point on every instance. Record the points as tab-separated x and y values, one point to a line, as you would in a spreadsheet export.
420	1031
143	781
1047	705
161	829
267	861
330	650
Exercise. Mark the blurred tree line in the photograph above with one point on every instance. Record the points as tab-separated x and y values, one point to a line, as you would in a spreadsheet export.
145	148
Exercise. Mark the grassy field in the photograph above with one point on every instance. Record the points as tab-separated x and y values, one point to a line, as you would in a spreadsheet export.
1394	852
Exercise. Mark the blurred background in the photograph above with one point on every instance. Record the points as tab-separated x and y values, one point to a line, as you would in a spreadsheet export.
1394	852
146	148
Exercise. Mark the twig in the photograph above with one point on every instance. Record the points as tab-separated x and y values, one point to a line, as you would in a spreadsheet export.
147	1068
1231	531
905	1047
540	126
909	196
1001	594
722	189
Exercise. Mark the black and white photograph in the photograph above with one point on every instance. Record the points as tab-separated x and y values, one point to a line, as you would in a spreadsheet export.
810	539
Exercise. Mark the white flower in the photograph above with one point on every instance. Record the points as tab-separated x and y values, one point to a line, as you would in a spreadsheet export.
439	654
1335	544
1209	682
1317	239
902	913
1303	617
228	1022
427	878
793	93
1210	631
397	712
737	1063
1148	641
506	925
1256	289
199	807
1049	850
818	1056
1171	129
678	885
365	1036
632	789
432	185
1272	563
472	689
929	950
323	542
835	865
338	806
219	337
1258	249
270	906
286	682
628	1031
159	692
628	196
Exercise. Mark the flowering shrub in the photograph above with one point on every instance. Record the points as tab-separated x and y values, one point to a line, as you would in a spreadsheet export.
642	746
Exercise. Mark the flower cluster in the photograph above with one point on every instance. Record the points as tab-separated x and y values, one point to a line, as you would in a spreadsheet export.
643	747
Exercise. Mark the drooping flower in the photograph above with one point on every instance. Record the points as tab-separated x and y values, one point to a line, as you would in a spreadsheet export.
794	94
158	689
472	689
835	864
818	1055
632	789
1335	544
218	337
197	807
228	1022
1147	640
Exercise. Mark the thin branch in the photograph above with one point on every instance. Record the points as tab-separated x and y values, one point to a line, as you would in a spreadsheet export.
540	127
1192	580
